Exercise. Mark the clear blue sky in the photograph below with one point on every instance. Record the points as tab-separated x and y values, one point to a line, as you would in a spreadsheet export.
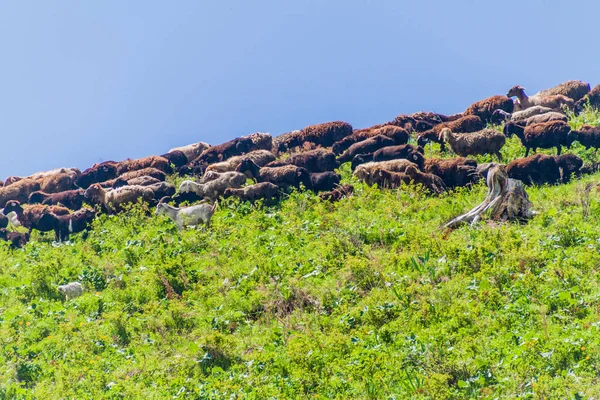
82	82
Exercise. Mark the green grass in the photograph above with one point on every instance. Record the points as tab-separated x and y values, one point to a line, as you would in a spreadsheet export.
366	298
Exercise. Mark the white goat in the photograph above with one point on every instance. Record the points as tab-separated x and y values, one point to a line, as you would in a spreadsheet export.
188	216
71	290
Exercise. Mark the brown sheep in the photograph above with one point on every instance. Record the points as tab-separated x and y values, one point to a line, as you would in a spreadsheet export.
325	135
102	172
72	199
260	141
338	193
58	182
538	169
324	181
191	151
484	108
252	193
588	136
545	135
284	176
592	98
224	151
455	172
366	172
139	181
420	121
399	135
260	158
575	90
486	141
367	146
431	182
466	124
569	165
404	151
556	102
30	216
177	158
156	162
19	191
390	180
319	160
65	225
17	240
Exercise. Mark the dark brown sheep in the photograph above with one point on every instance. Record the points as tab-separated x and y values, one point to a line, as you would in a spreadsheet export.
19	191
484	108
545	135
325	135
139	181
404	151
224	151
575	90
252	193
399	135
260	141
177	158
455	172
466	124
569	165
97	173
538	169
367	146
592	98
72	199
431	182
338	193
319	160
324	181
30	215
59	182
65	225
588	136
284	176
420	121
17	240
156	162
390	180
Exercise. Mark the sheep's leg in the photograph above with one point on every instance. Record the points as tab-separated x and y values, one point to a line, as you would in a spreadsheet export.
526	151
499	156
558	148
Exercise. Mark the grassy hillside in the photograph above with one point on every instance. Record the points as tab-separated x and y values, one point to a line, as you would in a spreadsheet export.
365	298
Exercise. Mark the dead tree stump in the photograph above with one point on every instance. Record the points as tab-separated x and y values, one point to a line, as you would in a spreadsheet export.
506	198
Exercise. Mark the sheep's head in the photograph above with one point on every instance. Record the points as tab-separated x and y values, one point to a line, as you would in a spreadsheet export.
36	197
515	91
499	116
12	206
445	134
512	128
411	171
160	209
95	194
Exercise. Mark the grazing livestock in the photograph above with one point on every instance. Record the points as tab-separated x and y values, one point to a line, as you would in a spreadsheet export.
367	146
588	136
159	163
324	181
324	135
338	193
390	180
224	151
545	135
486	141
71	290
72	199
455	172
431	182
19	191
113	200
569	165
500	116
546	117
260	141
214	188
555	102
97	173
399	135
419	121
466	124
162	189
319	160
177	158
284	176
365	172
259	157
252	193
188	216
538	169
191	151
592	99
404	151
575	90
30	216
484	108
139	181
65	225
17	240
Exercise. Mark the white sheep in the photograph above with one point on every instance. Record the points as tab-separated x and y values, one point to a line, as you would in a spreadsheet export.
71	290
214	188
188	216
556	102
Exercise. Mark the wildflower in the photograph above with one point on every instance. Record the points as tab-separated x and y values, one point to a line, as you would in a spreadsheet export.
582	348
587	357
28	323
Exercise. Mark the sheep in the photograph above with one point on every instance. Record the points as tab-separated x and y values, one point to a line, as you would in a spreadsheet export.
65	225
390	180
71	290
139	181
215	188
159	163
419	121
569	164
12	179
431	182
113	200
188	216
365	172
546	117
260	141
403	151
162	189
466	124
484	108
500	116
325	135
399	135
152	172
30	216
455	172
588	136
224	151
592	98
17	240
19	191
191	151
177	158
544	135
260	158
72	199
538	169
556	102
575	90
102	172
337	194
360	159
486	141
284	176
366	146
3	220
319	160
252	193
324	181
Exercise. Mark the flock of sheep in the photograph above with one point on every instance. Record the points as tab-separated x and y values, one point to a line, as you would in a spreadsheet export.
66	200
